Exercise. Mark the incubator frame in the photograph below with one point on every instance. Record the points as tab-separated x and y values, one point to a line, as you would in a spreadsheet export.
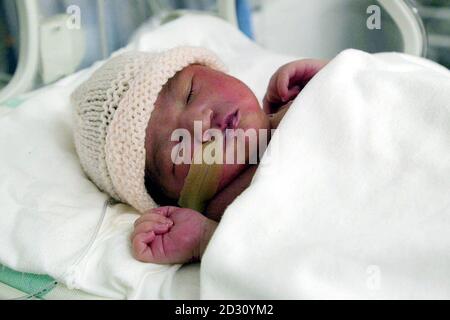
403	12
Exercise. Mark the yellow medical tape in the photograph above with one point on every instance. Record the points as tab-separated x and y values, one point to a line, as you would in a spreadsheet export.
200	185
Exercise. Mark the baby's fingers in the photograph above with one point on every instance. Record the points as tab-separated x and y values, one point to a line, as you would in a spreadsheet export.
150	226
287	88
272	96
283	85
152	217
292	93
141	247
294	76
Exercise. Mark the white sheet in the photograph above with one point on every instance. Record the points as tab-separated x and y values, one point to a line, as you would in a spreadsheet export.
50	212
355	201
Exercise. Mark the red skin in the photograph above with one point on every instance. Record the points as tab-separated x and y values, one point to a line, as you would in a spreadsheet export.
215	96
177	235
171	235
289	81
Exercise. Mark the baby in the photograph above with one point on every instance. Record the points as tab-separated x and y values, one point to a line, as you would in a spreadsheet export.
126	115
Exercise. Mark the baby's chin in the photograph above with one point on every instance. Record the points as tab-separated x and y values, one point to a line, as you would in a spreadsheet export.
229	173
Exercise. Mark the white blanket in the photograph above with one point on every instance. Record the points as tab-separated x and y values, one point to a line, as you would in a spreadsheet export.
51	219
355	200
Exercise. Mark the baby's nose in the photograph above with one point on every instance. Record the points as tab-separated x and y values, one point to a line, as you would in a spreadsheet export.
200	123
207	118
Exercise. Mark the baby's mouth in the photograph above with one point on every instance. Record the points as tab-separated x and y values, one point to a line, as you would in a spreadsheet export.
232	120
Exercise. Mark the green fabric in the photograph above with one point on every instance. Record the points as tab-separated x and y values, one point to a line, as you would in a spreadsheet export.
13	103
33	284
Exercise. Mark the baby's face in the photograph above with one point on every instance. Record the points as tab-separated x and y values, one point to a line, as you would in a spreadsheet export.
197	93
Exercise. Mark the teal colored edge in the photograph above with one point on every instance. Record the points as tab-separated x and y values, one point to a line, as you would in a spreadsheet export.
32	284
13	103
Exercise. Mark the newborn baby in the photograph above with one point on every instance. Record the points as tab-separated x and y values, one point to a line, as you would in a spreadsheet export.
126	115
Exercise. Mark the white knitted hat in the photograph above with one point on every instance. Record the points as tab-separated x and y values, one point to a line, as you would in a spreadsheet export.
112	111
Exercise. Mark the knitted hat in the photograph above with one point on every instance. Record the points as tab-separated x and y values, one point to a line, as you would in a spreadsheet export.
112	111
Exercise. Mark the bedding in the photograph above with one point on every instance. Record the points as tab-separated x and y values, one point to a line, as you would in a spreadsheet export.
353	198
353	203
54	221
16	285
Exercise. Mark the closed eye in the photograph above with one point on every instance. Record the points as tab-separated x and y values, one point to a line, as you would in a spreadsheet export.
191	92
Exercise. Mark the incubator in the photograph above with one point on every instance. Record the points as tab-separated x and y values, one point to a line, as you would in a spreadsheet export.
47	39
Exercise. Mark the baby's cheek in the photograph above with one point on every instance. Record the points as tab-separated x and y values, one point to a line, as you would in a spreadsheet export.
254	120
229	173
181	172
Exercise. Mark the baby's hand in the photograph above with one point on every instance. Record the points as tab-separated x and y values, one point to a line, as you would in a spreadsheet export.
288	81
169	235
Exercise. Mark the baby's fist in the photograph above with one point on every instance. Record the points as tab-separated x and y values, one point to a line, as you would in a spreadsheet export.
288	81
169	235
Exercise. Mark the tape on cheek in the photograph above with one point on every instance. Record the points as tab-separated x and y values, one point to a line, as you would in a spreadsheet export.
200	185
